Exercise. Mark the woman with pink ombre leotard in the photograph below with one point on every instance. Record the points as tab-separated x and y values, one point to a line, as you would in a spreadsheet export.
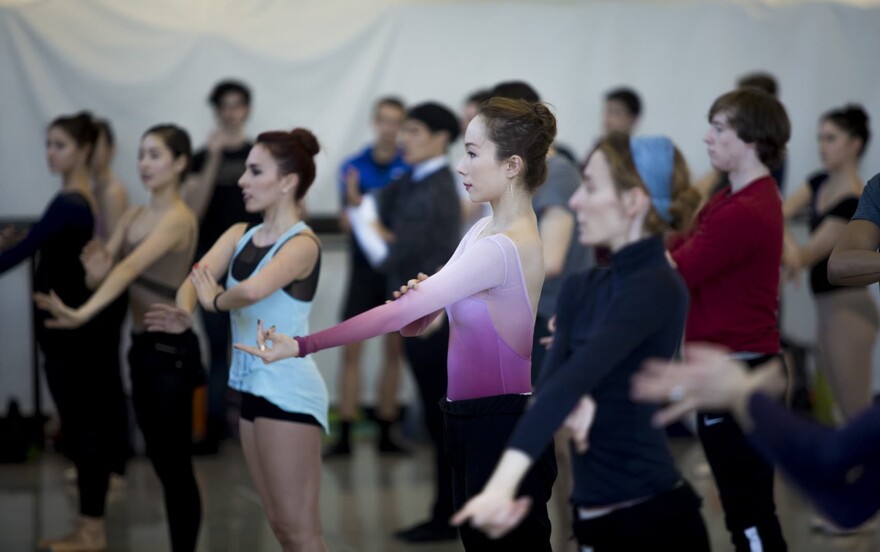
489	289
491	318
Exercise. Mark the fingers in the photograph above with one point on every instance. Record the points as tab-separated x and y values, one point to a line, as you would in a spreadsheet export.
673	412
461	516
264	355
511	517
261	338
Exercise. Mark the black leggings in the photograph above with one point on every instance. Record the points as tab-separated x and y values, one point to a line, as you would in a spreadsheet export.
667	521
477	431
82	372
164	371
427	360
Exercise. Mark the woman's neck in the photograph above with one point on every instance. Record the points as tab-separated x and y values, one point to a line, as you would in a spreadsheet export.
165	196
278	219
846	176
77	180
513	205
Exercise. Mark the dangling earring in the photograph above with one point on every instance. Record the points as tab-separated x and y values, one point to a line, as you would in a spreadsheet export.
509	190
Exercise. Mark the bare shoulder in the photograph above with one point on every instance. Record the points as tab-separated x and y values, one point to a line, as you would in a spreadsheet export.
527	241
305	243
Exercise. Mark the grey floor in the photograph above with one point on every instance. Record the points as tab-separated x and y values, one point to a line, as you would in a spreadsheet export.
362	501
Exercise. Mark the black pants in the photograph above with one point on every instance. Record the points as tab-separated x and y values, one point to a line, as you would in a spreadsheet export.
218	332
477	431
82	372
427	359
668	521
165	369
744	480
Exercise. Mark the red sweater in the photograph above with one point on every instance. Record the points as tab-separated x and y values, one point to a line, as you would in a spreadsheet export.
730	261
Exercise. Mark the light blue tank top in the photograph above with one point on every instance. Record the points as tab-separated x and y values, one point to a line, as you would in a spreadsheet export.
292	384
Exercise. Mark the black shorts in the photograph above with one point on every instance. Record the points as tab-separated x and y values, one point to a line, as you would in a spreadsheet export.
253	407
367	288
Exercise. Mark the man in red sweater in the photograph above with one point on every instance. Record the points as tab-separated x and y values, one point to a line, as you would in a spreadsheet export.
730	261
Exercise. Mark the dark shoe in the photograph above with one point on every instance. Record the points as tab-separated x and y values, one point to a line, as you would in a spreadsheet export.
206	447
339	450
427	531
389	447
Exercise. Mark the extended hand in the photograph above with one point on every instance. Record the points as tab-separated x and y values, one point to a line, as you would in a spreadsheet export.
547	341
96	260
707	379
578	423
282	346
494	514
168	319
206	286
63	317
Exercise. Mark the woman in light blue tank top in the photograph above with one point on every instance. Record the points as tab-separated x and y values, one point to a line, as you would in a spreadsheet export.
272	273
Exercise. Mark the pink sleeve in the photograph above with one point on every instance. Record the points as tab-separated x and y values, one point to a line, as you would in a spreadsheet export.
416	327
480	267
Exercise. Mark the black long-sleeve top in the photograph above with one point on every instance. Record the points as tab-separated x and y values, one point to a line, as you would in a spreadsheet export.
609	321
59	237
425	218
839	469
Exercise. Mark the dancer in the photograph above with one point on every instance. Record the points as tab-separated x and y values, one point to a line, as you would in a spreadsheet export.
563	256
87	393
368	172
609	322
153	247
847	316
271	273
489	288
730	261
111	199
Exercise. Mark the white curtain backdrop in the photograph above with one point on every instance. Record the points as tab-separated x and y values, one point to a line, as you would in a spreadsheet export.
321	65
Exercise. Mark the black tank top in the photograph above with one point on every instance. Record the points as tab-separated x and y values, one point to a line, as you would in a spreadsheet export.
249	257
844	209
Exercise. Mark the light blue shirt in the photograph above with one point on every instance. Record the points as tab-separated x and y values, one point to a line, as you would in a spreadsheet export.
292	384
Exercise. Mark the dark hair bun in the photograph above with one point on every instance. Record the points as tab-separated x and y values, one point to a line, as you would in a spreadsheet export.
307	140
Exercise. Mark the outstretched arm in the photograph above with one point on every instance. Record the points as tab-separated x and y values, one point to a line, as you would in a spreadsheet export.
165	237
838	469
56	217
479	268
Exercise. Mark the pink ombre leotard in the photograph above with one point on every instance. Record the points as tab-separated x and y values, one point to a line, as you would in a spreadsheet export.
491	318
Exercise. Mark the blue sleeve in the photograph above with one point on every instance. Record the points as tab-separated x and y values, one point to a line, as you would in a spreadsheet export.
59	214
869	203
839	469
640	310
